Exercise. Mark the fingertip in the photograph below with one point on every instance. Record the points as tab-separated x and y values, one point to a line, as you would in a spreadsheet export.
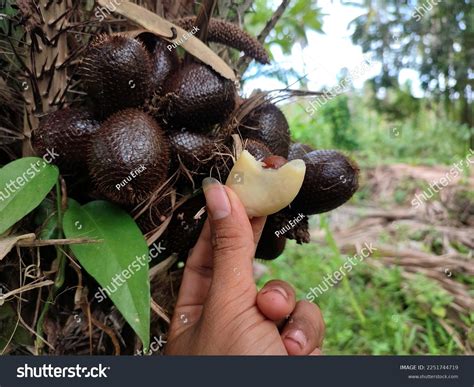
217	200
304	331
276	300
316	352
296	342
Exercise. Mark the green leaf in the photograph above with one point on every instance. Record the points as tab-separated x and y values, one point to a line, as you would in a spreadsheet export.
119	262
24	183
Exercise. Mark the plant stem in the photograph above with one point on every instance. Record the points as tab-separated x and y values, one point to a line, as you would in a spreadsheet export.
60	262
345	281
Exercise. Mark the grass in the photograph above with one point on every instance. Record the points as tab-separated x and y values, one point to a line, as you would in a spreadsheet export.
369	311
427	137
375	310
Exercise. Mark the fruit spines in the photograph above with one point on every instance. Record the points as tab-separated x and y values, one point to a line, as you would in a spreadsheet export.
116	70
164	63
67	130
268	124
196	97
129	157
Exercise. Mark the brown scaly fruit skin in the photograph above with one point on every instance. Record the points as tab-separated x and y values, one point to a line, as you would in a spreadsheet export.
200	155
298	150
68	132
270	246
116	71
330	180
184	230
220	31
193	149
257	149
164	63
224	163
125	142
196	97
268	124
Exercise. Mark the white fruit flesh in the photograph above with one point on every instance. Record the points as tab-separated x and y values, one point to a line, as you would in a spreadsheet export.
265	191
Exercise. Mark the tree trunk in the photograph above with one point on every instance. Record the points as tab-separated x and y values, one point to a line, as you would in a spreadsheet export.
48	80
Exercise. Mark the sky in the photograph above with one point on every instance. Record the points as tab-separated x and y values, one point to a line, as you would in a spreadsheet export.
327	54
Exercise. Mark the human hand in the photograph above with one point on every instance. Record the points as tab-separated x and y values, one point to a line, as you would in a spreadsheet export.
219	310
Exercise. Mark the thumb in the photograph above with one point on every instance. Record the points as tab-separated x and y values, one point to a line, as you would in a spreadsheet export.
232	238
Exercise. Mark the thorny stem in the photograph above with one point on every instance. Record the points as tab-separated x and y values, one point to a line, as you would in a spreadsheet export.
47	79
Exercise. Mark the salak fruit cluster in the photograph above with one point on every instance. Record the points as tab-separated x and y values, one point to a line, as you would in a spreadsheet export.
155	124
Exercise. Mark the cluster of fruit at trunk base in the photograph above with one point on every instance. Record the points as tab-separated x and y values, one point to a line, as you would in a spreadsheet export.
153	119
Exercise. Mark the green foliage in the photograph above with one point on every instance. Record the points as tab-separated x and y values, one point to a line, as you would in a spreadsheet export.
337	114
398	104
300	17
426	136
122	250
329	127
311	130
434	38
399	316
32	180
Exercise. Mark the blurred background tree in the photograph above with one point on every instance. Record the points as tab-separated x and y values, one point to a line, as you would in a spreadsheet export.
435	38
298	19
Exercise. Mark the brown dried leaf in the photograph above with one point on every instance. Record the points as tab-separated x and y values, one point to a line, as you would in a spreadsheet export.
164	29
7	244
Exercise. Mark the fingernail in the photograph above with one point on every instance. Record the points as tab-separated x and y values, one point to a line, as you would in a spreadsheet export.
276	289
298	337
217	201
